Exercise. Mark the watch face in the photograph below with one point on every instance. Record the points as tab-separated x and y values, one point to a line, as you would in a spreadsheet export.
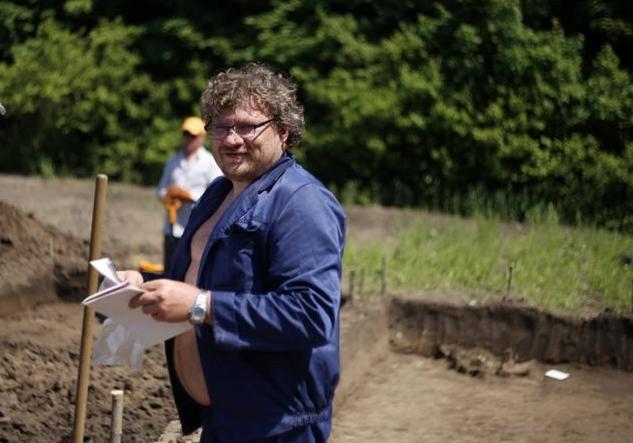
199	309
197	314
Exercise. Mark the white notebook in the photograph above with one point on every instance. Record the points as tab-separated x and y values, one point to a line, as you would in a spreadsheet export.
112	301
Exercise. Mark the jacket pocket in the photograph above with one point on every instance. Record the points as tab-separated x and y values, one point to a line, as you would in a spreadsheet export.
241	255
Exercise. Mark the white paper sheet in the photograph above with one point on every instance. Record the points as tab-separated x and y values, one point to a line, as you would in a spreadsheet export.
556	374
113	303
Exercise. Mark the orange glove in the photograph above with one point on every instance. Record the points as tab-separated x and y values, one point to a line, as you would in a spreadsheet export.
171	205
172	200
148	266
179	193
168	202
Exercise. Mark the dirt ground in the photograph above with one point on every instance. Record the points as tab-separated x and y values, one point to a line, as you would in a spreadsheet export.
410	399
38	371
45	226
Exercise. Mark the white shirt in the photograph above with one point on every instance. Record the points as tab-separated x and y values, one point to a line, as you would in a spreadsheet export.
193	175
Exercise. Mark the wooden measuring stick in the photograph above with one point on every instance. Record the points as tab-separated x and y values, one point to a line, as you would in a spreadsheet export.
87	331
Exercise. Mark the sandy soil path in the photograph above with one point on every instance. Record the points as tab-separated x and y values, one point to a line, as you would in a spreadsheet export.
410	399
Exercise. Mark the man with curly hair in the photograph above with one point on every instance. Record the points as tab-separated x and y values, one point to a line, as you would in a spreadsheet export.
258	272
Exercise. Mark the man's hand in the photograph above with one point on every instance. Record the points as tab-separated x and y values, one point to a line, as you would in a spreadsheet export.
134	277
166	300
170	202
178	193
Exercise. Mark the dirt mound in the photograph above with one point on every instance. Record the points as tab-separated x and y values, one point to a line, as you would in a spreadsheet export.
38	369
37	262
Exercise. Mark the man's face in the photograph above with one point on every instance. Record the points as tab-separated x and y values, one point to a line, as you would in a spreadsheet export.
192	142
243	158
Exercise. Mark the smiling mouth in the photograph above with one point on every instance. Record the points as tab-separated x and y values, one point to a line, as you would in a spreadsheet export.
235	157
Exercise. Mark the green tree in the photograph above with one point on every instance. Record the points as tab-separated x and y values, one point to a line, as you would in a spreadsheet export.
76	104
407	103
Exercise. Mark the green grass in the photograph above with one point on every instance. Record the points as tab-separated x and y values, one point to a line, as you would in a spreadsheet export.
553	266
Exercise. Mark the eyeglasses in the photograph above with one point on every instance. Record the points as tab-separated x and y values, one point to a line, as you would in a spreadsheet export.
243	131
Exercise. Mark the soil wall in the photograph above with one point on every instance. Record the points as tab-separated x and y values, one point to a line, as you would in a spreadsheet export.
423	326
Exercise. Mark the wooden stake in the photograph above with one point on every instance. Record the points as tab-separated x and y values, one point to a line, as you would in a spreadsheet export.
383	275
509	286
352	278
116	429
361	283
87	331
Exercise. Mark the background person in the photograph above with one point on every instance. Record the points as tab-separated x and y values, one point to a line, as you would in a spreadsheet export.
258	272
185	177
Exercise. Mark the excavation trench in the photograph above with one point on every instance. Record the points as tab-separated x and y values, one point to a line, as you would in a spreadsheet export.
397	383
463	373
424	326
389	390
482	337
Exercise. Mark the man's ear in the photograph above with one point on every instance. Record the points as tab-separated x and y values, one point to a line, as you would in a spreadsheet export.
283	134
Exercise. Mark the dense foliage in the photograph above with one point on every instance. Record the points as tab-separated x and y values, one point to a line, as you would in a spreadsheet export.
457	105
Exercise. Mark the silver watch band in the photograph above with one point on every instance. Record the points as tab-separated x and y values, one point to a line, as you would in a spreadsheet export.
198	311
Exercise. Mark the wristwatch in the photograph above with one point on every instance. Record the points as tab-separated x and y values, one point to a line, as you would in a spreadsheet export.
198	311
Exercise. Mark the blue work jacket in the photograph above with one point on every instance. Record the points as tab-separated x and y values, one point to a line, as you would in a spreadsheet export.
273	263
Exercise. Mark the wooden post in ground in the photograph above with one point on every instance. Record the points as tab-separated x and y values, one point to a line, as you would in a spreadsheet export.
87	331
352	283
361	283
509	285
116	428
383	276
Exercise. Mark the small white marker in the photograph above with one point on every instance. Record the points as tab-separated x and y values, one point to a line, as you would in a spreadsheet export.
556	374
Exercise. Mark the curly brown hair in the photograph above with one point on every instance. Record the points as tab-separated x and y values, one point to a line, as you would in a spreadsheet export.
273	93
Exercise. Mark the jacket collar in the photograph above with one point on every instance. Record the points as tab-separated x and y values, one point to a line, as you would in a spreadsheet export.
218	191
268	179
245	201
248	197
